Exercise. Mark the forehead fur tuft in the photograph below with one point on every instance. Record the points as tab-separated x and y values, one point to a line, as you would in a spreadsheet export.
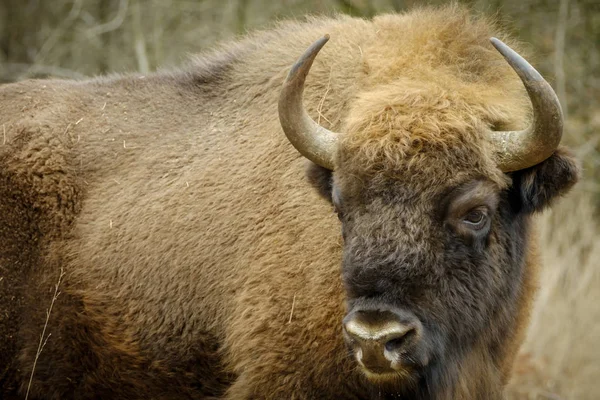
434	88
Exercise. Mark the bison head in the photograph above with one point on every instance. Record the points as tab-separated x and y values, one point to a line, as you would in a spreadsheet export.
435	210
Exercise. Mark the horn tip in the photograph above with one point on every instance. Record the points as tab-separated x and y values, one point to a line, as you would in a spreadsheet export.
321	42
516	61
497	43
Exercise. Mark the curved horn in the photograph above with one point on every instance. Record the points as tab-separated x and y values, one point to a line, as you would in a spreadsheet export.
522	149
309	138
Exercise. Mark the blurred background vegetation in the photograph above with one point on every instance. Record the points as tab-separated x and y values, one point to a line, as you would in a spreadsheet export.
561	357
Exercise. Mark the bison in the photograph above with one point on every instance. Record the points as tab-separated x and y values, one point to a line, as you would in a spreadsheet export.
160	236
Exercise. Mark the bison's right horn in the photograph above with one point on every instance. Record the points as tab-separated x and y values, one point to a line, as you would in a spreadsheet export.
523	149
309	138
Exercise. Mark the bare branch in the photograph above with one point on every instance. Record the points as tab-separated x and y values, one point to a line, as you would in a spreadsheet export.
57	33
113	24
139	40
559	54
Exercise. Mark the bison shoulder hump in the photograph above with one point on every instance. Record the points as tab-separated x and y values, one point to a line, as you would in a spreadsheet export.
38	172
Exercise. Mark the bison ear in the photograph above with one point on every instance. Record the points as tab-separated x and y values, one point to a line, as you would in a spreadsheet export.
321	179
536	187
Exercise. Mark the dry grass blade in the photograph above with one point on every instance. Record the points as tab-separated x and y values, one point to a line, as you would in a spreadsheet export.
43	337
292	311
322	101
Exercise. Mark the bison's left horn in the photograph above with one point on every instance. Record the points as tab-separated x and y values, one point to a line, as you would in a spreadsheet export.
522	149
309	138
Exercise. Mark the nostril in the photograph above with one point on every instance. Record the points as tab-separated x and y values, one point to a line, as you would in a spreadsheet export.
394	344
397	343
384	341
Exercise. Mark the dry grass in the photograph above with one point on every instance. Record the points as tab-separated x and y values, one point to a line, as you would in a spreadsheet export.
43	337
561	356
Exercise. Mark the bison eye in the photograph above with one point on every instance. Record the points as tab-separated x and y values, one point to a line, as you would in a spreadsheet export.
475	219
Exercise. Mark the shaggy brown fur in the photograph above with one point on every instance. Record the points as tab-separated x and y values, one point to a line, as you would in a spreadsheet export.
201	263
